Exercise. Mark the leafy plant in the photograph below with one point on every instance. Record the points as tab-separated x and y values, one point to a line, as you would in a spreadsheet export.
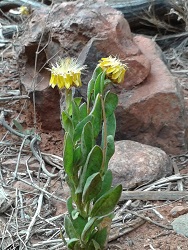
88	146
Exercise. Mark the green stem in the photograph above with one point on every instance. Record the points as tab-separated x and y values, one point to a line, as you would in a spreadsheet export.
68	100
104	135
80	205
88	106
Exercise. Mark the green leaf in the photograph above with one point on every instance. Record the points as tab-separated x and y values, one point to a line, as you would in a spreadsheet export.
68	101
96	112
87	231
90	88
75	113
107	202
79	127
83	111
68	155
69	228
97	87
101	237
67	122
94	245
77	100
110	103
87	140
79	223
92	187
110	127
99	84
74	214
18	126
71	185
69	205
110	149
106	184
71	243
93	165
77	156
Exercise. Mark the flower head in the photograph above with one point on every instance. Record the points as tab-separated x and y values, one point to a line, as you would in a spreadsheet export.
66	73
114	68
24	10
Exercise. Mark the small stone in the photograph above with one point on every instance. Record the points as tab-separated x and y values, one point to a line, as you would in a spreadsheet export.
180	225
178	210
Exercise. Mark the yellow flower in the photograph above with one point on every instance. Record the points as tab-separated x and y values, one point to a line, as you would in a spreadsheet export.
24	10
114	68
66	74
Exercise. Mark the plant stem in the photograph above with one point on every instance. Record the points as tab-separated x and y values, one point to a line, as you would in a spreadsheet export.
68	99
104	135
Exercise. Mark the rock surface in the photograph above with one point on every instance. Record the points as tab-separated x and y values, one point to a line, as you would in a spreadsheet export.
151	108
178	210
135	164
153	113
65	32
180	225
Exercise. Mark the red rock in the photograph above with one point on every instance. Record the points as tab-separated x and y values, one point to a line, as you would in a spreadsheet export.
135	164
70	26
178	210
153	113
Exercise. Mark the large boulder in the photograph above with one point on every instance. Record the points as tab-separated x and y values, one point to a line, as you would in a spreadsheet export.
151	106
135	164
154	112
64	31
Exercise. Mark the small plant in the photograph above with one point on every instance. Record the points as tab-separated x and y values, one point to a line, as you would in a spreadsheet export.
88	146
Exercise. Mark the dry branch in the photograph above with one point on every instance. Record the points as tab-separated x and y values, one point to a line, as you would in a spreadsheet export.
12	98
154	195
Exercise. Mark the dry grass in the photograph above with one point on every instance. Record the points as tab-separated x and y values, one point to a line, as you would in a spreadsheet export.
180	9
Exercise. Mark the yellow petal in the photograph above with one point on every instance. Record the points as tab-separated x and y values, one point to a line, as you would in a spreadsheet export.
111	70
66	73
119	76
68	81
77	80
53	80
61	82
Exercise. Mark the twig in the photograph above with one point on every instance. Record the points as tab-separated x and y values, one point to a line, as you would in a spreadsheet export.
48	160
157	213
151	247
47	242
149	220
153	195
22	213
9	128
5	230
12	98
120	231
10	45
176	171
60	216
28	171
162	181
17	227
40	189
33	145
19	156
180	71
40	201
